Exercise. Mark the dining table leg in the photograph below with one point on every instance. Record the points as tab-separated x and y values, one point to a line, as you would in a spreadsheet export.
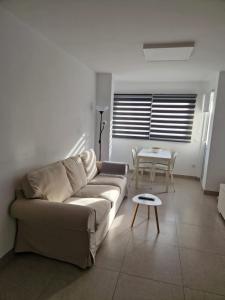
153	173
136	173
167	181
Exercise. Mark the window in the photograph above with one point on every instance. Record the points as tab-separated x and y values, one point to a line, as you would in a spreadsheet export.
167	117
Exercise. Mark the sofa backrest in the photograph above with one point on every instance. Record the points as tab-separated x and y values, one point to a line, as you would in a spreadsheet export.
50	182
75	172
89	161
60	180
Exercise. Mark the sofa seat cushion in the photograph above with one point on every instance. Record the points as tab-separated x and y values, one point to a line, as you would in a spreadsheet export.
108	192
101	206
89	161
75	172
50	183
119	181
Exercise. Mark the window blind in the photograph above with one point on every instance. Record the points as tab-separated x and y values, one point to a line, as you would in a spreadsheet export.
167	117
172	117
131	116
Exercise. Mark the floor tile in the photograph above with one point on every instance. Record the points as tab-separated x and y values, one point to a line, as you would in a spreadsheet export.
147	230
135	288
203	271
14	292
198	295
29	272
92	284
154	260
198	214
201	238
111	252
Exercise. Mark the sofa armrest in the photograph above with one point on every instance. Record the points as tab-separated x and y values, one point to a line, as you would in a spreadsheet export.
54	214
114	168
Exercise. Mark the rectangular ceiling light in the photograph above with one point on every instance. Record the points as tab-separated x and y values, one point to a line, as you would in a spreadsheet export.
168	51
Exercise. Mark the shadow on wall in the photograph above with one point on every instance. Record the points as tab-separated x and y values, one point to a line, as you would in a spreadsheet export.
79	147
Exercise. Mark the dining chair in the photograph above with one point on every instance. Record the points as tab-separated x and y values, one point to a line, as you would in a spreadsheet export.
166	168
143	166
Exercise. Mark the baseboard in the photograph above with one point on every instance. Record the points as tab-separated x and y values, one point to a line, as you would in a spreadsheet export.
175	175
6	258
211	193
187	176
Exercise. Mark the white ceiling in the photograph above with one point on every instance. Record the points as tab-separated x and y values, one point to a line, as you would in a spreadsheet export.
107	35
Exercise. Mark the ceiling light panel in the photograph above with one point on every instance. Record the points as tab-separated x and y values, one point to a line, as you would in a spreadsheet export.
168	51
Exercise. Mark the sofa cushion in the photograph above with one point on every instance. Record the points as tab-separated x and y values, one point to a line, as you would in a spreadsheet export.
50	183
108	192
119	181
89	160
75	172
100	205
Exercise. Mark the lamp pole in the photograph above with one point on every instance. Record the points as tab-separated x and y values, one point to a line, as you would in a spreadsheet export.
101	110
100	135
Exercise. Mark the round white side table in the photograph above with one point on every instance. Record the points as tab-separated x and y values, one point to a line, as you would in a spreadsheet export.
153	201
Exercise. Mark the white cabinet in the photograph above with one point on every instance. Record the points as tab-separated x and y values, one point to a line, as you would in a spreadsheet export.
221	200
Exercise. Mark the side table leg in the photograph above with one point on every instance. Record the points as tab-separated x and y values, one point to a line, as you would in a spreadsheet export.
157	220
135	212
148	212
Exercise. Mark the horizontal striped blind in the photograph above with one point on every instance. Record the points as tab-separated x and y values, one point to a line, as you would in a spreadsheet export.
131	116
154	116
172	117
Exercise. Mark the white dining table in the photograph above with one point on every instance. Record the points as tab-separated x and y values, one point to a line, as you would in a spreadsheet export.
159	156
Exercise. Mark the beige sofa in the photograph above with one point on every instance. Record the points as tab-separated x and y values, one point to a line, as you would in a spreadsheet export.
65	209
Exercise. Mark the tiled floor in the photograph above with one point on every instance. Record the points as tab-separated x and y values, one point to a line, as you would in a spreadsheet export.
185	261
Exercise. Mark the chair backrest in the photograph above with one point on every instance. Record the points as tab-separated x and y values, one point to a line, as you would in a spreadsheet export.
173	159
134	156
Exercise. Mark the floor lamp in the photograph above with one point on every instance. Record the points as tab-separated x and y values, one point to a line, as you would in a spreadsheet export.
101	110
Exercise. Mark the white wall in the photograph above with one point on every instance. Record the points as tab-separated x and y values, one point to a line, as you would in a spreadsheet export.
104	97
189	160
47	102
215	173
